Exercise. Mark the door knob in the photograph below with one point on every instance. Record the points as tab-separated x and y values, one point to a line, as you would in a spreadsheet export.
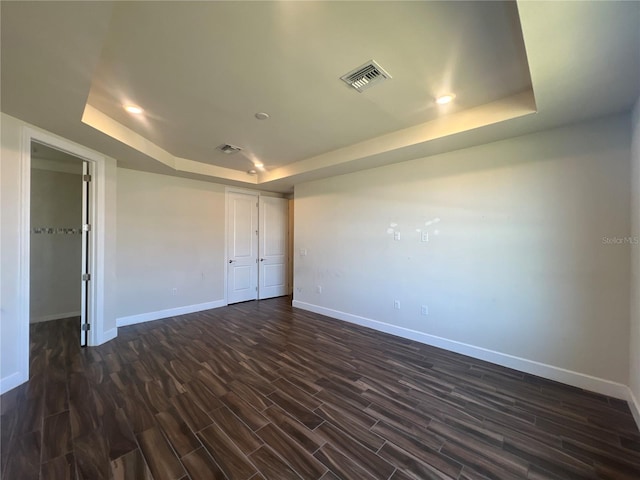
262	259
231	261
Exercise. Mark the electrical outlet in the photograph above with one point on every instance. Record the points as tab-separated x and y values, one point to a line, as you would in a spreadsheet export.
425	236
396	236
174	291
303	252
396	304
424	310
319	289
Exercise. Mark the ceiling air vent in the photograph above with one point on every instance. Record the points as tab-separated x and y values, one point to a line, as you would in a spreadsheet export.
228	148
365	76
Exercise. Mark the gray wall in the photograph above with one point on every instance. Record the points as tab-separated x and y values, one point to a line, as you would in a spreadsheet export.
56	256
170	236
517	260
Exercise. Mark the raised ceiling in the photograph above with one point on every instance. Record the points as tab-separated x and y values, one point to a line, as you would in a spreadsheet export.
201	70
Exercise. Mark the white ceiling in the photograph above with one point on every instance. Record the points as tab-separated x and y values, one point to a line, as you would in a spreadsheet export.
201	70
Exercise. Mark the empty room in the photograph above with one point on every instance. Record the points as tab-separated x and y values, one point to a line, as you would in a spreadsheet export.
319	240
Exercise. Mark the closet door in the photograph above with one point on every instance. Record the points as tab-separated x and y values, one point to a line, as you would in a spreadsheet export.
273	234
242	247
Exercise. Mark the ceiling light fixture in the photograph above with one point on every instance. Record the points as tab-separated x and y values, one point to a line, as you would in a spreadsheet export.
258	165
252	172
133	109
444	99
262	115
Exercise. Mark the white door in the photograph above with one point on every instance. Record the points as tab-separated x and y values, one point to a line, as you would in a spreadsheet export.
86	243
242	247
274	230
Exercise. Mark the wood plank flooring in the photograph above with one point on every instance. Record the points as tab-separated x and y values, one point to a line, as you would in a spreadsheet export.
260	390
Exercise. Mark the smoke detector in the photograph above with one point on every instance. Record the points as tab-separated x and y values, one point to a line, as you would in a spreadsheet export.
365	76
228	148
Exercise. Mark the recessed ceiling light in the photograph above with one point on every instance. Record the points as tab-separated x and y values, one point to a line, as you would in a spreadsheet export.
133	109
262	115
444	99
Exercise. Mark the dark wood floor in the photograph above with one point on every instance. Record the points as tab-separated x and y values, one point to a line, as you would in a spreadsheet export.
263	391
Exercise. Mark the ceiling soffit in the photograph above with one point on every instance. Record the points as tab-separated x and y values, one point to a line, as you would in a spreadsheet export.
202	71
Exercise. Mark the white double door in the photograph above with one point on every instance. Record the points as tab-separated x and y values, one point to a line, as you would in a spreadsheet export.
257	244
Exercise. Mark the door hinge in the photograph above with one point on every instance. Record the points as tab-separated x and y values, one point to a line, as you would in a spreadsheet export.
86	327
86	227
86	277
86	177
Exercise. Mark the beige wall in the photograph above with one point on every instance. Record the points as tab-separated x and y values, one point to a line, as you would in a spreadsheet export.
634	358
170	236
56	258
517	262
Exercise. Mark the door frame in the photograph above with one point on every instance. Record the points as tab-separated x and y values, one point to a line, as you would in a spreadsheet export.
97	204
257	194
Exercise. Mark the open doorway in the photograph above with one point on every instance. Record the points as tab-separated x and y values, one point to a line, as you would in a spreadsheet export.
60	229
101	250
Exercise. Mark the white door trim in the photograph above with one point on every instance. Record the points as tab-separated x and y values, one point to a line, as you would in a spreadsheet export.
98	239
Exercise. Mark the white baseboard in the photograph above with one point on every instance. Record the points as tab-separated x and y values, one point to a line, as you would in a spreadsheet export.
576	379
634	405
171	312
12	381
106	336
55	316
